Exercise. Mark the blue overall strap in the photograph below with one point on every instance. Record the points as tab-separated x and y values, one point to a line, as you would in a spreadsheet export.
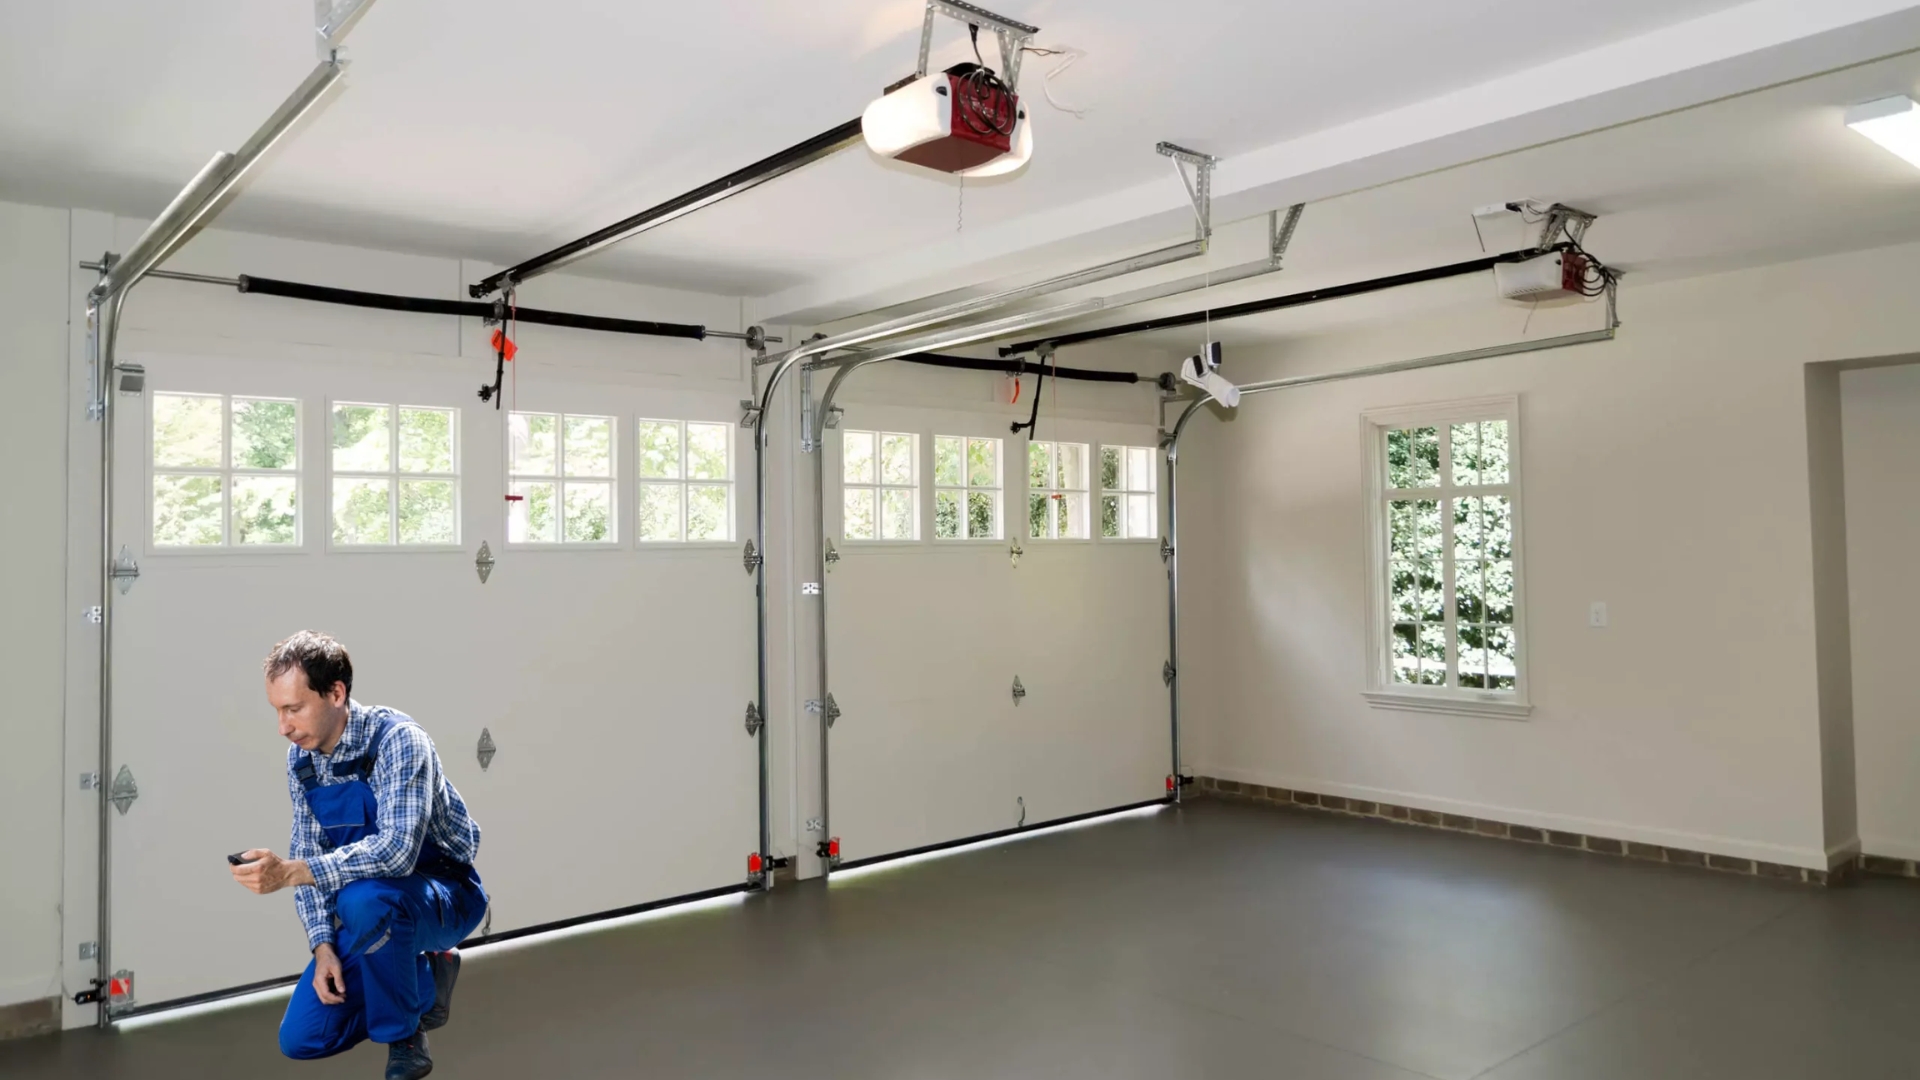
303	772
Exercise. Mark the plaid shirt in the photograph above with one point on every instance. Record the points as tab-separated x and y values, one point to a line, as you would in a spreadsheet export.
414	800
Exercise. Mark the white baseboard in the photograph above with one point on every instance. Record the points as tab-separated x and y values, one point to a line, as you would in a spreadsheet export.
1890	847
1733	847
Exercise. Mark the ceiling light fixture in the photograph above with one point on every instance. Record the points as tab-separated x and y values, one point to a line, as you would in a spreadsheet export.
1892	122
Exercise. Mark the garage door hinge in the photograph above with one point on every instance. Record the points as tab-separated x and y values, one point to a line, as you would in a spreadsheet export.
749	413
485	750
754	722
123	791
752	558
831	556
832	711
808	445
1014	551
483	562
125	570
1166	550
1167	672
1019	691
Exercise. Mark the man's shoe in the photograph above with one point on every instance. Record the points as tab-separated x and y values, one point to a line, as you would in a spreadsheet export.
408	1060
446	969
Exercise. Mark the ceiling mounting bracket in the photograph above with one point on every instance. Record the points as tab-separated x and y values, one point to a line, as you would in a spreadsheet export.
331	21
1013	36
1199	186
1280	233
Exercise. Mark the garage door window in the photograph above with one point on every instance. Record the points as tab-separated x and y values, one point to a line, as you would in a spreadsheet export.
396	480
225	471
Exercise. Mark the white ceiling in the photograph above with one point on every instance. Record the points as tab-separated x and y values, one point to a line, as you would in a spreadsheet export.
495	129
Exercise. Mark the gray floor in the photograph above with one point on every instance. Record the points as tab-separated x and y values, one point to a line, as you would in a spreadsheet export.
1218	940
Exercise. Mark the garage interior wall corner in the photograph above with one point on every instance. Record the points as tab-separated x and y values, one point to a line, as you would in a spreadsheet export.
1833	648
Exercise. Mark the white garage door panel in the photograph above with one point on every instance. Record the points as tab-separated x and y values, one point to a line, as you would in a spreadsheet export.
926	640
612	681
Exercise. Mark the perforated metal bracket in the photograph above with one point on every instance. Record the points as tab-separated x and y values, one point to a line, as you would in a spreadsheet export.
1019	691
1013	36
125	570
751	558
809	588
483	562
331	21
754	723
1280	232
124	791
831	710
1199	186
94	615
485	749
89	781
749	413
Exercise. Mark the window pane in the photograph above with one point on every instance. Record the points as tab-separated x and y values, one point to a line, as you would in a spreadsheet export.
897	516
589	510
1413	458
1499	592
1493	452
983	462
1473	656
1433	655
896	459
858	520
1141	474
266	434
263	510
660	453
426	512
707	512
1072	515
946	512
983	515
857	465
1414	528
187	432
1467	538
531	443
531	519
708	451
659	512
1112	468
187	510
1406	666
1110	516
1072	465
1038	506
361	512
426	441
1502	657
1497	526
361	439
1039	466
1433	592
948	468
1469	593
1139	515
589	446
1466	454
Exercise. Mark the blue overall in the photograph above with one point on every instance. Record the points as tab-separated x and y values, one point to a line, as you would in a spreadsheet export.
383	927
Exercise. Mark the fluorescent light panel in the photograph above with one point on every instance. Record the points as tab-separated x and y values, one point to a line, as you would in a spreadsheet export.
1892	122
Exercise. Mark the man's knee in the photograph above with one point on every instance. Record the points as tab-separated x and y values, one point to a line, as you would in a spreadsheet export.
300	1045
368	903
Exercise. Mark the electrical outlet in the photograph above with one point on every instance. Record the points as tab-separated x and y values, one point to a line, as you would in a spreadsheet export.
1597	615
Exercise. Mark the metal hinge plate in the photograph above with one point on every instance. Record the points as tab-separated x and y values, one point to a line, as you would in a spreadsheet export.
483	562
485	749
830	556
94	614
809	588
89	781
754	722
1019	691
1166	549
751	558
1167	672
832	710
89	950
125	570
749	413
1014	551
124	791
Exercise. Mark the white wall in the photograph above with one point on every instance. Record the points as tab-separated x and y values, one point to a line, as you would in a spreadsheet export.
1666	473
33	380
1881	409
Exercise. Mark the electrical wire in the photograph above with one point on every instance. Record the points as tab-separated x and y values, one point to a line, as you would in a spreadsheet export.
1073	56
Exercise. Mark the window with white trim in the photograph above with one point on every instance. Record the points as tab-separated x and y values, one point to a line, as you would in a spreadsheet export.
967	488
396	475
1057	491
1129	480
880	485
560	479
226	471
1444	495
686	482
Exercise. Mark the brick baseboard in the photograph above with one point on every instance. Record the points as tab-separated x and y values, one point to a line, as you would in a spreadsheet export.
41	1017
1599	845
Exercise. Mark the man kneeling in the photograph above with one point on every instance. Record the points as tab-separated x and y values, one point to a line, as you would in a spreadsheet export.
381	864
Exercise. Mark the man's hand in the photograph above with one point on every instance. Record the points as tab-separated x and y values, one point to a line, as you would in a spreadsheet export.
264	872
329	985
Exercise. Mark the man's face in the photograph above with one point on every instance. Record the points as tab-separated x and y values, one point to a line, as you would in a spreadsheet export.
309	720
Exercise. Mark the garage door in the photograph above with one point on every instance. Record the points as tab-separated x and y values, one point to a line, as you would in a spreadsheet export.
932	620
606	660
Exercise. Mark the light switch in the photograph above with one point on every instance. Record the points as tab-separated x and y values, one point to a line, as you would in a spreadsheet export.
1597	615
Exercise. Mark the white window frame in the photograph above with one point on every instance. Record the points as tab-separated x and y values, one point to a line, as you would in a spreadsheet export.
966	488
1085	490
880	488
560	480
1125	492
731	483
1381	691
395	477
226	472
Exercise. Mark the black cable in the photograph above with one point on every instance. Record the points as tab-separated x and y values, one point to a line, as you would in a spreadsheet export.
1033	418
1024	367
